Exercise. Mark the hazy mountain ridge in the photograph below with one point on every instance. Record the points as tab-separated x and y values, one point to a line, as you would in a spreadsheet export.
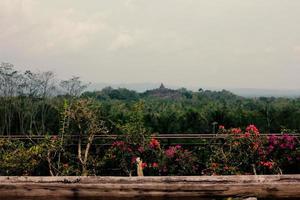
244	92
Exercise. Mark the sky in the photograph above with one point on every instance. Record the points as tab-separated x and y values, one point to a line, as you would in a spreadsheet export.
196	43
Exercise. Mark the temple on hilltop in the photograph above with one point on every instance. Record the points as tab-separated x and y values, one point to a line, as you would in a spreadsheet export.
164	93
162	87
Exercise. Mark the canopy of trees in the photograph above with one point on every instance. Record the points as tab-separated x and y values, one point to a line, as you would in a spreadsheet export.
32	103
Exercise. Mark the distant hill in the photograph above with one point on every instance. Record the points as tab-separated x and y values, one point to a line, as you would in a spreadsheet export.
139	87
244	92
164	93
252	92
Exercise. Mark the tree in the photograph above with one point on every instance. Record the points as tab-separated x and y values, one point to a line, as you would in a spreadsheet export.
85	123
73	87
134	128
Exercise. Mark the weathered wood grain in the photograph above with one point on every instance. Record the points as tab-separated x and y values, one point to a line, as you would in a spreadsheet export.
277	186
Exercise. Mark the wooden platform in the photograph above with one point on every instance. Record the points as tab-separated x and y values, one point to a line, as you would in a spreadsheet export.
195	187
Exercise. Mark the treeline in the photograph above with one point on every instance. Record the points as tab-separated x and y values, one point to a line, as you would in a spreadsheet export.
183	111
33	103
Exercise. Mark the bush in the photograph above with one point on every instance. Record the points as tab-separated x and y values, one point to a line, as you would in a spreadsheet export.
240	152
250	153
16	158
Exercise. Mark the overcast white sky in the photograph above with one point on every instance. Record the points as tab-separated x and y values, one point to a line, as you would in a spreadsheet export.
216	43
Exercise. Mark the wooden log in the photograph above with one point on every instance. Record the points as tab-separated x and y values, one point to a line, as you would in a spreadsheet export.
194	187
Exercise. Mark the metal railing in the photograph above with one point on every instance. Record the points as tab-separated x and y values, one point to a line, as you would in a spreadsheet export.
157	136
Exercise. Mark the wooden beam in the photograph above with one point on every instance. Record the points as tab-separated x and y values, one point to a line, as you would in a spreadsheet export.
194	187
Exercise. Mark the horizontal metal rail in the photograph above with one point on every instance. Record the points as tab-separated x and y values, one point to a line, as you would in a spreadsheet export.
157	136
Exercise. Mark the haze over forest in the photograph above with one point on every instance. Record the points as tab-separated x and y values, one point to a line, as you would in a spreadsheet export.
195	44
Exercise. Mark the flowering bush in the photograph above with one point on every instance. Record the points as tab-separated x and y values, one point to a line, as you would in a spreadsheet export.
179	161
120	155
248	152
284	150
241	153
174	160
238	152
124	155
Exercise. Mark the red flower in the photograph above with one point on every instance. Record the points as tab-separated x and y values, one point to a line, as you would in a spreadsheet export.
268	164
235	144
144	165
214	165
252	129
155	165
236	130
154	143
255	145
247	134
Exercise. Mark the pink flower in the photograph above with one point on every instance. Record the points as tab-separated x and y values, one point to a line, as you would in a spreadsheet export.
165	169
270	148
272	139
221	127
170	152
261	152
54	138
282	146
133	159
141	149
118	143
121	146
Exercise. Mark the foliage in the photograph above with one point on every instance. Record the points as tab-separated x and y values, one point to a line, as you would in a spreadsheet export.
285	150
85	122
133	129
174	160
18	158
250	153
31	102
179	161
60	111
123	155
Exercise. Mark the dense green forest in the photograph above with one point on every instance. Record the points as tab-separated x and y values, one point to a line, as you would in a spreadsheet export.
68	118
32	103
